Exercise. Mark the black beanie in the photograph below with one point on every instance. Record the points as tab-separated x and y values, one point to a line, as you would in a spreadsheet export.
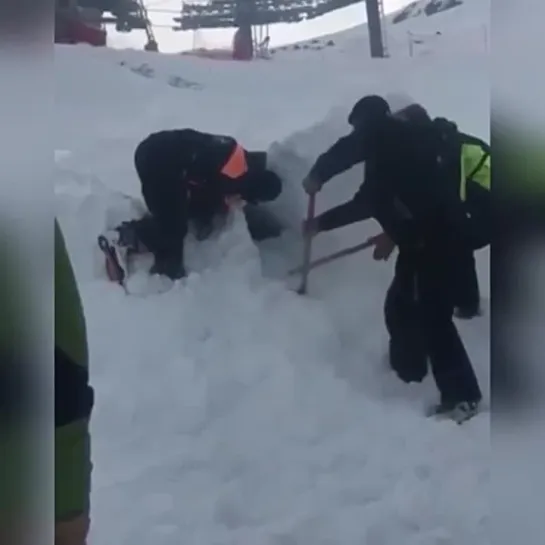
369	110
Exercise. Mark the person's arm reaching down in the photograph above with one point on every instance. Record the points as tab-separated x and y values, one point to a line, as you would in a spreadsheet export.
344	154
353	211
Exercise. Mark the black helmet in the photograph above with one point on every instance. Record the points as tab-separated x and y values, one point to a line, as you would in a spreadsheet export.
369	110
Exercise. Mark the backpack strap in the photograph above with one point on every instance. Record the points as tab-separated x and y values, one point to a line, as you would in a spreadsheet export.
478	166
474	141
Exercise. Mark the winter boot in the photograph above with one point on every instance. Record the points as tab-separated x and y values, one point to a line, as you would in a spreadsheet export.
117	245
458	412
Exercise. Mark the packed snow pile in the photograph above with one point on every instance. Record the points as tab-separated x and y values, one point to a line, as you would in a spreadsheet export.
229	410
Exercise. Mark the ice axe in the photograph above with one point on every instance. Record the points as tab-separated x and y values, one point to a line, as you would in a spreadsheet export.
307	250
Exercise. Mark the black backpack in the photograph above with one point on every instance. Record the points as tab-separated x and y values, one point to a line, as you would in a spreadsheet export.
451	141
477	206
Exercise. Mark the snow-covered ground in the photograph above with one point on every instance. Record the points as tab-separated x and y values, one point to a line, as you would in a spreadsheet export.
229	410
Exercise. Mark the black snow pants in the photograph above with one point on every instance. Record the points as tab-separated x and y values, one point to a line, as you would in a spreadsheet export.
419	317
466	284
479	208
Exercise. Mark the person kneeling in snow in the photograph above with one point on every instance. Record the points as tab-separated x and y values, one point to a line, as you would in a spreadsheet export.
188	176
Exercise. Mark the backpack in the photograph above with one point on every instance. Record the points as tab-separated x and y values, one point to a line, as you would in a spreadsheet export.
465	159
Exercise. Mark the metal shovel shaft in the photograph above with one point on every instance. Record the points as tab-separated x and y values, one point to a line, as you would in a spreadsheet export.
332	257
307	251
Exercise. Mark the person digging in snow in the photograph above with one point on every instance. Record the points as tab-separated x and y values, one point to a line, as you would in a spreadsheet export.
189	176
412	189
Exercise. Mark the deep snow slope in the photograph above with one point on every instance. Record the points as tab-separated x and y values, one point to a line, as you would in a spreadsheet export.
231	411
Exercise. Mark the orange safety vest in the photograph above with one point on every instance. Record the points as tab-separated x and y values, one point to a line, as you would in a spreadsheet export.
236	165
234	168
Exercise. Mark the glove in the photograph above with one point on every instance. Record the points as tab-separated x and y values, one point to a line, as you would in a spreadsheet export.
311	185
384	246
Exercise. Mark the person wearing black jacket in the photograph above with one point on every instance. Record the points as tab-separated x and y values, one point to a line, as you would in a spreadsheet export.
187	176
410	188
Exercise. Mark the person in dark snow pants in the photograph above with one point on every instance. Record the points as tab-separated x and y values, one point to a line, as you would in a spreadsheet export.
411	188
189	176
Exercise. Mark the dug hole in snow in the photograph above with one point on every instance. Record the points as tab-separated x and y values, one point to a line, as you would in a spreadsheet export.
231	411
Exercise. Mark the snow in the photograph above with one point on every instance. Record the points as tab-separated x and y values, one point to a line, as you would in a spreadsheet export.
229	410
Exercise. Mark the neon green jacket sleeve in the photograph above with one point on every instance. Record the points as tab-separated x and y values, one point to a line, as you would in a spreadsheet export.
70	326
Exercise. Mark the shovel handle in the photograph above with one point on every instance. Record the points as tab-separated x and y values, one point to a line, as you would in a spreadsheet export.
307	251
333	257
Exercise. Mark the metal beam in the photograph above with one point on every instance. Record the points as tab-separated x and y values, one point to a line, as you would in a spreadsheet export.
374	24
